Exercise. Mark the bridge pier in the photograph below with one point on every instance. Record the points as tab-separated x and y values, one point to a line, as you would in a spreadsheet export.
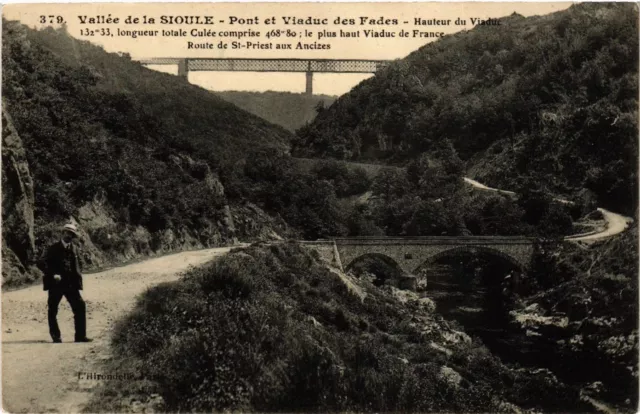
309	84
291	65
183	68
411	253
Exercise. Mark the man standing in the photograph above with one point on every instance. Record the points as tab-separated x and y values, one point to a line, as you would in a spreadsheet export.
62	278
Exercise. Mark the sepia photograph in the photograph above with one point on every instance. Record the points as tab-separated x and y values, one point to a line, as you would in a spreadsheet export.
320	207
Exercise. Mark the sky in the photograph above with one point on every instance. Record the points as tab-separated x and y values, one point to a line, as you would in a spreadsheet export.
340	48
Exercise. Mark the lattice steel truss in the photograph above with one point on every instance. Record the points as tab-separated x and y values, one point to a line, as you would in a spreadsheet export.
272	65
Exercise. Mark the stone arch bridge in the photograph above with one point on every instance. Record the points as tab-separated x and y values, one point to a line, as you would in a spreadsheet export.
410	253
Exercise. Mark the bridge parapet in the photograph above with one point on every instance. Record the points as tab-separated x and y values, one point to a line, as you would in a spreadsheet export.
410	253
462	240
327	250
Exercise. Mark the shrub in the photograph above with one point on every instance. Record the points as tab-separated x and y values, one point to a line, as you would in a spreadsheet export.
231	336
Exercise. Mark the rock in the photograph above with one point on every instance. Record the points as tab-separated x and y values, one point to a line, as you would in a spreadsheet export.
367	277
90	255
421	284
272	235
427	304
402	296
442	349
17	198
507	407
534	320
403	360
594	389
542	374
213	183
313	320
94	215
352	287
164	241
13	271
155	404
199	170
450	376
407	282
136	406
534	308
228	220
619	345
456	337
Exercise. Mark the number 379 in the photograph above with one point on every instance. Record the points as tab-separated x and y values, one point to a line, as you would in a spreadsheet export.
51	19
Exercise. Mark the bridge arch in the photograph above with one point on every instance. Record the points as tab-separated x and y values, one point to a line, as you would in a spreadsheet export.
379	256
382	266
473	250
411	253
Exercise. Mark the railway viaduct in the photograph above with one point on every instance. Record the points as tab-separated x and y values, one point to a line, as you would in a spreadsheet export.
308	66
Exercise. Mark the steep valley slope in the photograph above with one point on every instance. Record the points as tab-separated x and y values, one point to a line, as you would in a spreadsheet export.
276	328
546	99
132	155
148	164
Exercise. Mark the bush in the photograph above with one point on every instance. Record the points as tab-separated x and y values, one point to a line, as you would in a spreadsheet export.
347	180
238	335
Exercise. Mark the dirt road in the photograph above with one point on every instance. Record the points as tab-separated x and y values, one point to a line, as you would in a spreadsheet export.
616	223
38	376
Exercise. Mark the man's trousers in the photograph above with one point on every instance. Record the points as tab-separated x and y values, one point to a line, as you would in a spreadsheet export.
77	306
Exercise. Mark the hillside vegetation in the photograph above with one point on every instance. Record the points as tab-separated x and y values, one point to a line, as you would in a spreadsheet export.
429	198
145	162
551	99
275	329
133	155
289	110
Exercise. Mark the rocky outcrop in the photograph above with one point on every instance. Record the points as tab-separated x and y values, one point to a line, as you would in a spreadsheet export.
18	240
199	170
17	197
137	186
106	238
14	272
253	223
450	376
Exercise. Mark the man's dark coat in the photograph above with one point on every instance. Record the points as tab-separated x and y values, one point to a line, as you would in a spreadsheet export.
63	261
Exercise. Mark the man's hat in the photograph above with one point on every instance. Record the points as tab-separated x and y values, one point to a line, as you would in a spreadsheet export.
71	228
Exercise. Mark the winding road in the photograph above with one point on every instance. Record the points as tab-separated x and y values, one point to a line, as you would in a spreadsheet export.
616	223
39	376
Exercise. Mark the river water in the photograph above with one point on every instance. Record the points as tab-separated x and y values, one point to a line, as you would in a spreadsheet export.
480	304
476	294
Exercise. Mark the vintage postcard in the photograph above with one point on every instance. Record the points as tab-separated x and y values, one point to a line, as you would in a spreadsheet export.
320	207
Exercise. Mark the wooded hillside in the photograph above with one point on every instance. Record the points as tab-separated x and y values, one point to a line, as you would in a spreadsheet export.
130	153
551	99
